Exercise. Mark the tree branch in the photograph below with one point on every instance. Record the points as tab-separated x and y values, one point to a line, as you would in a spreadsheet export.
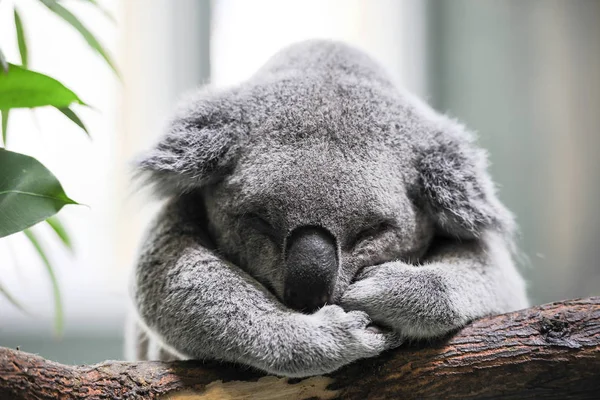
550	351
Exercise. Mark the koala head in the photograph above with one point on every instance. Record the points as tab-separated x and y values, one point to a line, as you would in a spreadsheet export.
319	166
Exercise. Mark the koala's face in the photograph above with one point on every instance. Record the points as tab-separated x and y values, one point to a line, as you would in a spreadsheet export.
304	218
319	166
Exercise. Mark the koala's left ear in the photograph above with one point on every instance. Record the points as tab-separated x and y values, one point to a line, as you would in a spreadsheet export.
458	189
198	148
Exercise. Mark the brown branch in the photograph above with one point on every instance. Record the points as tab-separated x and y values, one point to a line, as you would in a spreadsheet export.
550	351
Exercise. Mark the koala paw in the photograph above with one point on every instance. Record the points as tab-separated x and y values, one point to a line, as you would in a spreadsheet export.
410	300
325	341
368	294
350	334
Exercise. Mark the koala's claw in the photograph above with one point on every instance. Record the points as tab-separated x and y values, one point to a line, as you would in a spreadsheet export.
352	332
335	316
361	318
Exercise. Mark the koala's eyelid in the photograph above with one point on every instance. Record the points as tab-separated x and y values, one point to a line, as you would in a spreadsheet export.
380	225
260	224
372	230
253	217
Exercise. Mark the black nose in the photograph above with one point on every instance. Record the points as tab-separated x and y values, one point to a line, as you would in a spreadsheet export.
311	268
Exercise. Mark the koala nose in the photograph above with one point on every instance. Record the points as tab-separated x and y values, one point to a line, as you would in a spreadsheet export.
311	268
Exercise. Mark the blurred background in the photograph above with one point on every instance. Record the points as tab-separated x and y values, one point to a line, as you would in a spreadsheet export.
524	74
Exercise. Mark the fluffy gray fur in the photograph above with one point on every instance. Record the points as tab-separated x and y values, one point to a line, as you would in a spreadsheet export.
319	136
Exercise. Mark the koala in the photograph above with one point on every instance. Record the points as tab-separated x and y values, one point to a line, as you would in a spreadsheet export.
314	215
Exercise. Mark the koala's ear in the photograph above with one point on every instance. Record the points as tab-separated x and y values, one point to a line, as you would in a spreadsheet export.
198	148
457	186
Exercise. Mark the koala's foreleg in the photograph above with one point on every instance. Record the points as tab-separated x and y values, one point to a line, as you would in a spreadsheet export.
201	306
458	282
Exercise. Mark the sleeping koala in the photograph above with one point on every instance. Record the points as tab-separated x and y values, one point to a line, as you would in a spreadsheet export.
305	206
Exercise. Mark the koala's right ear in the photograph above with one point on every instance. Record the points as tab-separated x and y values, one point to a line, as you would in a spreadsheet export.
198	148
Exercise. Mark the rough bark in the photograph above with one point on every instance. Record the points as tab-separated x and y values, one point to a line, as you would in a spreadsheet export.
550	351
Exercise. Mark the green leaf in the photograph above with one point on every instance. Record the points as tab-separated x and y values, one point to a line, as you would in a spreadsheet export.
29	192
58	310
73	117
58	228
87	35
102	9
4	114
21	39
12	299
22	88
3	63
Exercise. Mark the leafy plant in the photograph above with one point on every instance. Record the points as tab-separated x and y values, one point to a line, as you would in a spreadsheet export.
29	192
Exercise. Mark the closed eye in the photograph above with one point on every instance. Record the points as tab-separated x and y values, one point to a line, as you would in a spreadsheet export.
370	233
261	225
